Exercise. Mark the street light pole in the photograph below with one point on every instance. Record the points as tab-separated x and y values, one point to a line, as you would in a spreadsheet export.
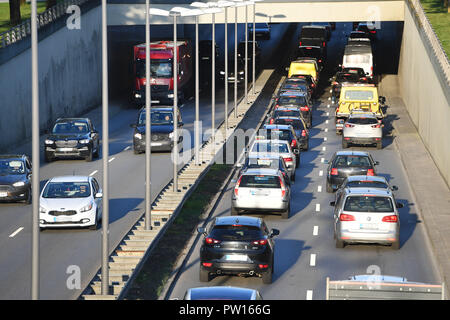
246	56
197	98
175	103
148	124
213	81
254	50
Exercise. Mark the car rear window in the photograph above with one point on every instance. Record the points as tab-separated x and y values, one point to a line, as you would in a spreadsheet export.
352	161
313	33
349	77
297	100
368	204
358	95
235	233
275	134
294	86
286	113
357	58
367	184
296	124
362	120
270	147
259	181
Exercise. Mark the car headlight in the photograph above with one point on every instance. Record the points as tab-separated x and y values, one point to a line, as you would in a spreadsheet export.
171	135
137	95
48	141
170	95
242	72
19	184
84	141
222	72
138	136
87	207
42	209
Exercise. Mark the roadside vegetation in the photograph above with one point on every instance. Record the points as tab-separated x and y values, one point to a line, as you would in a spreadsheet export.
150	282
437	12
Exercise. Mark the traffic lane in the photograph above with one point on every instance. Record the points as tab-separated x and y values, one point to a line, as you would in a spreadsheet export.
305	253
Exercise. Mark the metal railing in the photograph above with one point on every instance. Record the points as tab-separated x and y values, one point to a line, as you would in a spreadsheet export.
432	38
23	30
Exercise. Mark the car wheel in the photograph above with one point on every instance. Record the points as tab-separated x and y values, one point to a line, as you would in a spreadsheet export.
28	199
135	151
267	276
47	157
329	188
204	275
339	243
285	214
396	244
97	152
90	156
293	177
94	226
344	143
379	145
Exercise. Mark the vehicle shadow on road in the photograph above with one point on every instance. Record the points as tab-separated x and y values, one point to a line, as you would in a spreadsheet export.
122	206
287	253
408	221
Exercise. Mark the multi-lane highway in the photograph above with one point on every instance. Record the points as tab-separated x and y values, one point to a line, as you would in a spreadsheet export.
305	252
62	249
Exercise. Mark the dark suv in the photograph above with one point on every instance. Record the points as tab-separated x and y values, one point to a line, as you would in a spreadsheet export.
237	245
348	163
15	178
72	137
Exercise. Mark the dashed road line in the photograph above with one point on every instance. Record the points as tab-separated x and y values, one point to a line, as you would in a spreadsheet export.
312	260
317	207
309	294
93	172
321	173
315	230
111	159
12	235
319	188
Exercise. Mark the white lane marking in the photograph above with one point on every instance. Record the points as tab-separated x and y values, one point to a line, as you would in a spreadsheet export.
328	113
12	235
325	138
93	172
326	121
309	294
127	148
328	105
324	148
317	207
321	173
319	189
322	160
326	129
111	159
315	230
329	98
312	260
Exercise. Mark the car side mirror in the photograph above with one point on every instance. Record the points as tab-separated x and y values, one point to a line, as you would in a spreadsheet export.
376	163
133	125
180	124
394	188
332	203
201	230
98	195
238	165
399	205
296	151
274	232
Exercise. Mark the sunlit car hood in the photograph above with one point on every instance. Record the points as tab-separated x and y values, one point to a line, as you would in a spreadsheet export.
64	203
11	178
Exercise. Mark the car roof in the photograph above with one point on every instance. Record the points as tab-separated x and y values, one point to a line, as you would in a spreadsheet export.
293	93
368	191
70	179
277	126
287	107
314	26
351	49
261	171
243	220
352	153
222	292
162	108
260	155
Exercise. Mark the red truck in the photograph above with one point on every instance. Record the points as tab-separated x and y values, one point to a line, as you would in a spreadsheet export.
161	70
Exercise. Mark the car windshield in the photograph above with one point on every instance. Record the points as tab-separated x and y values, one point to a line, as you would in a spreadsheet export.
286	113
367	184
358	95
70	127
357	58
158	117
297	100
368	204
259	181
270	147
159	68
362	120
11	167
347	77
295	123
235	233
352	161
67	190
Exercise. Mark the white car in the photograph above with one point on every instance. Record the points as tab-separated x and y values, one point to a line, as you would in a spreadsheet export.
362	128
70	201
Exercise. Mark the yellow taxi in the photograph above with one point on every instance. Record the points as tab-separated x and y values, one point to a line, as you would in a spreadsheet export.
358	98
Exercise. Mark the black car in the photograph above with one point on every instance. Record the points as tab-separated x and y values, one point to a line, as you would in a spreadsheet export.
205	61
161	130
72	137
281	132
348	163
15	178
300	86
316	52
369	29
240	71
313	36
312	84
346	75
262	30
298	99
241	54
237	245
300	129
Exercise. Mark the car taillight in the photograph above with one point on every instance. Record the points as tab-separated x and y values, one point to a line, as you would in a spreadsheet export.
335	83
320	60
303	133
323	44
288	159
334	171
300	43
346	217
207	264
370	172
392	218
263	266
305	108
271	121
313	85
236	188
348	125
373	31
209	240
283	189
293	143
261	242
376	125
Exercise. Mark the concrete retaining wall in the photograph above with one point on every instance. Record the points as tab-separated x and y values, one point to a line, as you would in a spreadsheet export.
425	91
69	63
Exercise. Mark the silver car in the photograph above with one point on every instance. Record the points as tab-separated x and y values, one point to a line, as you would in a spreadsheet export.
361	181
261	190
362	128
70	201
281	147
366	216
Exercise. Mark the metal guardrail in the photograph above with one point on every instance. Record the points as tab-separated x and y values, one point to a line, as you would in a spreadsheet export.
23	30
432	38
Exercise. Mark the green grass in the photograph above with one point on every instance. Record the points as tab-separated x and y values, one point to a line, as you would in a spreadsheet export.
150	282
440	21
25	12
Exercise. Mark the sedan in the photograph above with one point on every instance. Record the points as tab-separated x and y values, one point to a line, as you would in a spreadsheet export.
70	201
15	178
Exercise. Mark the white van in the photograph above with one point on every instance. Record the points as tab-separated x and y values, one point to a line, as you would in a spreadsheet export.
359	56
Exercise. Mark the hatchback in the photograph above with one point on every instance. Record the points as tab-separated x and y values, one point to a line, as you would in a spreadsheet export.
377	182
300	128
362	128
261	190
366	216
222	293
270	160
15	178
237	245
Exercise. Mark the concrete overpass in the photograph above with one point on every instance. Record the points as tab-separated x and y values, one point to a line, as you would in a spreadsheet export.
132	12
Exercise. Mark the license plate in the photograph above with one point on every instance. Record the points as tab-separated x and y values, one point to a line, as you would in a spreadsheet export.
62	219
258	193
236	257
3	194
368	226
156	144
339	125
65	149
